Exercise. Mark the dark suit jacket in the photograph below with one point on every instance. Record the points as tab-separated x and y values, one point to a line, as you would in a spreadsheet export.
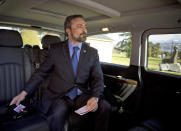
58	65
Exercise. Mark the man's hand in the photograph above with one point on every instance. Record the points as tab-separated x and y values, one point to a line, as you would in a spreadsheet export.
92	104
17	99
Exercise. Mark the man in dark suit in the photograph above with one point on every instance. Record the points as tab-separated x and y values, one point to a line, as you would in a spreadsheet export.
76	79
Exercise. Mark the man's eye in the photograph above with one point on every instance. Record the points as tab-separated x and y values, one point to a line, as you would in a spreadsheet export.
79	26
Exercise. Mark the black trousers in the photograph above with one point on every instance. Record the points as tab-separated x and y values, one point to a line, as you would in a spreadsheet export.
61	109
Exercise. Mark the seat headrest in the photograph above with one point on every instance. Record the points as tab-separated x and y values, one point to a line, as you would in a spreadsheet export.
10	38
49	39
36	47
27	46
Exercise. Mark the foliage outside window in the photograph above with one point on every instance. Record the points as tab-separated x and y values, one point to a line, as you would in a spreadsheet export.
164	53
113	47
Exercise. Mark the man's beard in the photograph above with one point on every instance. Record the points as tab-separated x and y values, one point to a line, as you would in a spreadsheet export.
82	37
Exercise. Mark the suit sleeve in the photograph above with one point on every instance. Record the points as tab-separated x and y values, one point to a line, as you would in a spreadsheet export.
97	82
40	74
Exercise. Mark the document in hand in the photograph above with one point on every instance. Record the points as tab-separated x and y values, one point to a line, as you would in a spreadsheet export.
82	110
19	108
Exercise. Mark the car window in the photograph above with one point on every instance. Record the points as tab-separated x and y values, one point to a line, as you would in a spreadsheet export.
164	53
112	47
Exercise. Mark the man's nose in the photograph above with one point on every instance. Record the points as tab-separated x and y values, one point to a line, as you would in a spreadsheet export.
84	29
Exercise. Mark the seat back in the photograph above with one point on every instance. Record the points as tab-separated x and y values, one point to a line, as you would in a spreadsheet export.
36	56
46	41
29	51
13	72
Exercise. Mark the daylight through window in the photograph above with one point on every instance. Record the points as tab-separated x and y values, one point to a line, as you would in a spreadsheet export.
112	47
164	53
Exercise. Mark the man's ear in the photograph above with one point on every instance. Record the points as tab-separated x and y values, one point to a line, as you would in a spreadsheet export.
67	31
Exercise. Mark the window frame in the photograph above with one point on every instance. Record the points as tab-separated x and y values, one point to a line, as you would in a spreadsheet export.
144	45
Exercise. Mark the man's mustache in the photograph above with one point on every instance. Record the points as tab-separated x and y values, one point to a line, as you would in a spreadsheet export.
84	34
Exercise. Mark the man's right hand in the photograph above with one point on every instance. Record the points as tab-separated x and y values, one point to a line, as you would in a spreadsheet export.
17	99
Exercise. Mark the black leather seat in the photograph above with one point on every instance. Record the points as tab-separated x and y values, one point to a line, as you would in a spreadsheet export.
15	70
46	41
29	51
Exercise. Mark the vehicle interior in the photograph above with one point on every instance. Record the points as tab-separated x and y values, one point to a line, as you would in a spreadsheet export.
139	45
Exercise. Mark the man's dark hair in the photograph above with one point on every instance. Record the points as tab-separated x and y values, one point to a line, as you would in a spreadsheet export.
68	21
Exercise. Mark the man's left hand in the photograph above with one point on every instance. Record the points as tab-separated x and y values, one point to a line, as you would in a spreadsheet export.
92	104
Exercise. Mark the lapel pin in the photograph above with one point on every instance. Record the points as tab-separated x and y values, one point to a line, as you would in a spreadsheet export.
84	51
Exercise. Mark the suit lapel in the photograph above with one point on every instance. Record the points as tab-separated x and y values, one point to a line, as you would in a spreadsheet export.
68	59
82	57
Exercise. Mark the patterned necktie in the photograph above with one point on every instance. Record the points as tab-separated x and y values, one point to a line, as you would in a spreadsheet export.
73	93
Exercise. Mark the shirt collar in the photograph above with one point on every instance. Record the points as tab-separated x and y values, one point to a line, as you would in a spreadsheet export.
71	45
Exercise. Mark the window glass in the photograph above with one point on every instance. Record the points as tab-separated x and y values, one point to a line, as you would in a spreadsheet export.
30	37
164	53
113	47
